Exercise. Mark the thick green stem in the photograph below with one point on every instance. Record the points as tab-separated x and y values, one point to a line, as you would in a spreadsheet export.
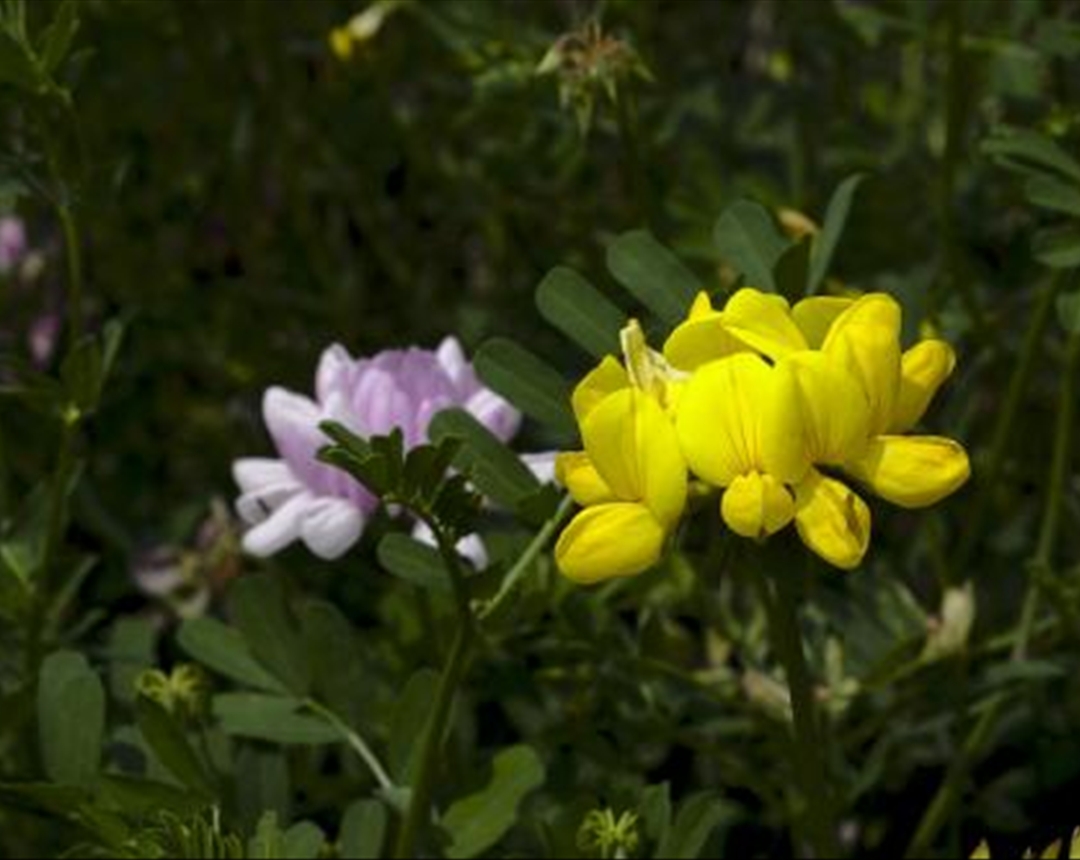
989	476
951	790
419	811
808	740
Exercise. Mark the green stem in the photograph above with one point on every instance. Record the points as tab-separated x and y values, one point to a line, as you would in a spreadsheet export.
951	790
419	811
808	740
1003	429
74	264
951	279
526	559
354	740
44	586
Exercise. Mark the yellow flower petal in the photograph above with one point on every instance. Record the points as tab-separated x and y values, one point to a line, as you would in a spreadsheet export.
701	338
814	316
781	430
633	446
836	415
610	438
866	337
923	369
763	321
660	463
606	541
606	378
912	471
832	520
756	506
575	471
738	415
716	423
701	307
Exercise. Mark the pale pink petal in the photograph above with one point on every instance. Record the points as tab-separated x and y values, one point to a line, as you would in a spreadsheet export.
495	413
293	421
451	358
253	473
265	486
335	366
279	529
330	528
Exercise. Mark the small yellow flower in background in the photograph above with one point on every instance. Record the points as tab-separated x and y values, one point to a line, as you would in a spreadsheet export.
795	224
631	477
182	692
607	836
361	28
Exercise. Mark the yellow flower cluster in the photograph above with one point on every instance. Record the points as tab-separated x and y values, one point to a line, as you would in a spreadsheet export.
771	404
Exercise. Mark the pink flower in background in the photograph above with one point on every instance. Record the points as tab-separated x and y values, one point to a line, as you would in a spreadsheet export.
297	497
42	338
12	243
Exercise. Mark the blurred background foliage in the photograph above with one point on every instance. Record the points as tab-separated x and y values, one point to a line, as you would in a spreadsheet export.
252	182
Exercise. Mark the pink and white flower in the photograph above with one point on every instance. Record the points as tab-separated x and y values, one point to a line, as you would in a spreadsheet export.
296	497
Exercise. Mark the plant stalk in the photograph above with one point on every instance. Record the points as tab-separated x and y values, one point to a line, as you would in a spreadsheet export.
419	811
807	732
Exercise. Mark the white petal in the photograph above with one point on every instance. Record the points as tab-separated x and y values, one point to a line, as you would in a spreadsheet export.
330	527
253	473
542	465
452	359
470	547
266	484
280	529
422	534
